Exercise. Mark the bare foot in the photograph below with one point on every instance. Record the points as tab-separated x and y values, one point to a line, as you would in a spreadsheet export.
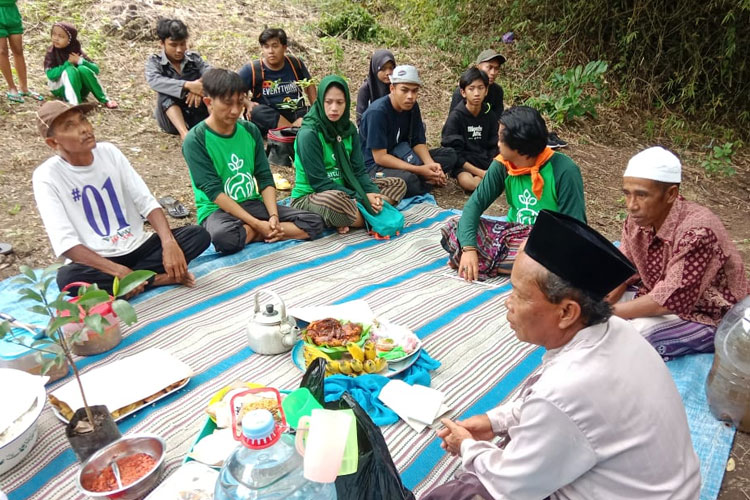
343	230
164	279
452	265
113	105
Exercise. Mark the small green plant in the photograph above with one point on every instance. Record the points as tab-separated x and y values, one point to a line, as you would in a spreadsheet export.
575	93
719	160
54	343
350	21
335	51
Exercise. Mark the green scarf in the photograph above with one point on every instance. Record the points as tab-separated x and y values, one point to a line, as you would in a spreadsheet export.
334	132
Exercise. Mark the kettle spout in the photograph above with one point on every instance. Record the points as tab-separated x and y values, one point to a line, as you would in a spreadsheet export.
290	338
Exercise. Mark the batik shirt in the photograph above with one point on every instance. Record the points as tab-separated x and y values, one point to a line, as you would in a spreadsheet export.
690	265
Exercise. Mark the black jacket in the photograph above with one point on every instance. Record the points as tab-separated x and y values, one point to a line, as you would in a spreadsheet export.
472	137
494	98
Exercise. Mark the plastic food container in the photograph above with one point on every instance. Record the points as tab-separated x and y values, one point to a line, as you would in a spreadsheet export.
20	357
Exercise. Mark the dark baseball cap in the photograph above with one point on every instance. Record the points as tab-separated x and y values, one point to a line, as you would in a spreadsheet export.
51	110
488	55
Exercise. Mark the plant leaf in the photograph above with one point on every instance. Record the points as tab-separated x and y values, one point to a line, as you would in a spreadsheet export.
133	281
28	293
39	310
65	305
92	298
51	270
4	329
59	322
22	280
95	323
124	311
26	270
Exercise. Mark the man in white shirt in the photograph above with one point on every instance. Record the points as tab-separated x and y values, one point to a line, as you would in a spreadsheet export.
602	417
92	202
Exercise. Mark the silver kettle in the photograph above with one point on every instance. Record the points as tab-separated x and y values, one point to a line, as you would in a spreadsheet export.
271	331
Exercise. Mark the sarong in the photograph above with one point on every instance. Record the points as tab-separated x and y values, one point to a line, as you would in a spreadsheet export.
497	244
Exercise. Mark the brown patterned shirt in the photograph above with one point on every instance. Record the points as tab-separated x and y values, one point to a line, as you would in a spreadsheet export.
690	265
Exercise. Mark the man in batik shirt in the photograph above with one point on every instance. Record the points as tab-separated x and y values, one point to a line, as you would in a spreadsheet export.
689	271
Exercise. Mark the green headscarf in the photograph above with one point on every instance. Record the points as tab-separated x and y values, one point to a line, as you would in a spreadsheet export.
334	132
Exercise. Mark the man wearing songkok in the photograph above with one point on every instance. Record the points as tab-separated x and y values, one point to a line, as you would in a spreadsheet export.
602	417
689	273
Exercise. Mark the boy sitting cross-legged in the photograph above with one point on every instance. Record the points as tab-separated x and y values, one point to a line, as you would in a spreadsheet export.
234	189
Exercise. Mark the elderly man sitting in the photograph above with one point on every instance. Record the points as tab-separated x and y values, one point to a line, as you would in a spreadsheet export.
689	273
602	418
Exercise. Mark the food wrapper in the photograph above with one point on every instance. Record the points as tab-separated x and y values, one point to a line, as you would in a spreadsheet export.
125	384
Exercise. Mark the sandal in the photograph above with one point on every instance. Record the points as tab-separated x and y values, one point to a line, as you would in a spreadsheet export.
34	95
111	105
174	207
281	183
14	97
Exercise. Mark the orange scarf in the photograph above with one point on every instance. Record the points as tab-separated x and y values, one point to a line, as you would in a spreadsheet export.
537	182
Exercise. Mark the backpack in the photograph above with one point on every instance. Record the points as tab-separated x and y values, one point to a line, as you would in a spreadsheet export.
258	73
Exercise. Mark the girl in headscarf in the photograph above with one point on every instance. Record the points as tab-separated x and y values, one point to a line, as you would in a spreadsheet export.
71	74
378	83
330	171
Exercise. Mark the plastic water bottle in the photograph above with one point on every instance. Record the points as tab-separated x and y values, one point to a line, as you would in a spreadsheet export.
267	466
728	382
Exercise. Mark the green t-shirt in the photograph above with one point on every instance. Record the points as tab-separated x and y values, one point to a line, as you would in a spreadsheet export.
235	165
317	169
562	184
302	186
523	203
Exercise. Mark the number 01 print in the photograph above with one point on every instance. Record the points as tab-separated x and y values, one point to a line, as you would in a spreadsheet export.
90	192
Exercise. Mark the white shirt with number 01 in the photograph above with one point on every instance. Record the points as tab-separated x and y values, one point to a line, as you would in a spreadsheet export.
98	206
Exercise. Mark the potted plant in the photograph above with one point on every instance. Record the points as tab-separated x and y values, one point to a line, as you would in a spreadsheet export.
89	428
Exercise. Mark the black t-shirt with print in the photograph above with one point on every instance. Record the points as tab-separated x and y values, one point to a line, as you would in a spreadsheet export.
279	86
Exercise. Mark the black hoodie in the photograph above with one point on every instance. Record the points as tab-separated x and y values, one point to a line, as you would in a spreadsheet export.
474	138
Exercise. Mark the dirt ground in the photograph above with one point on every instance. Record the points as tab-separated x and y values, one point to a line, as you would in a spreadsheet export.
118	37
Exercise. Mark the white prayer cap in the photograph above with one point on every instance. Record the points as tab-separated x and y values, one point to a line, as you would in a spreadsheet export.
656	164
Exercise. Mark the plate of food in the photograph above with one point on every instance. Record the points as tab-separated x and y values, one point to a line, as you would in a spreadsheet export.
357	360
394	343
331	336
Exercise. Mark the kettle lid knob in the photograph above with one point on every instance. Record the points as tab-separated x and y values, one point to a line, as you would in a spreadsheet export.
269	310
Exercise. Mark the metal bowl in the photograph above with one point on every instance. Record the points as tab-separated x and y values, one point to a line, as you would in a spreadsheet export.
123	447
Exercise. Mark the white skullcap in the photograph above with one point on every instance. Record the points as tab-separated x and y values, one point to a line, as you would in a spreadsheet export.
656	164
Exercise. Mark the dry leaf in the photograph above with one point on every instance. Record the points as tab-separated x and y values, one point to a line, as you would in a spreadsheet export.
730	464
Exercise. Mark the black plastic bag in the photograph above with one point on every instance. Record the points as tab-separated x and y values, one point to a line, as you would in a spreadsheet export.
377	477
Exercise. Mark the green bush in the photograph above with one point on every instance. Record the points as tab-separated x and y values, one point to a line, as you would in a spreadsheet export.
575	93
350	21
689	56
719	160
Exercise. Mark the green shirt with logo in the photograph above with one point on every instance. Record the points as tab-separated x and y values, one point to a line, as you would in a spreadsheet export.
316	167
235	165
563	192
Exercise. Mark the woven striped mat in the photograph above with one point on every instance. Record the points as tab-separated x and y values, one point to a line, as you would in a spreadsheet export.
405	279
462	325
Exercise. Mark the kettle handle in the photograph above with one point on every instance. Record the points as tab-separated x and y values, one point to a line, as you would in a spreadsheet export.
282	306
